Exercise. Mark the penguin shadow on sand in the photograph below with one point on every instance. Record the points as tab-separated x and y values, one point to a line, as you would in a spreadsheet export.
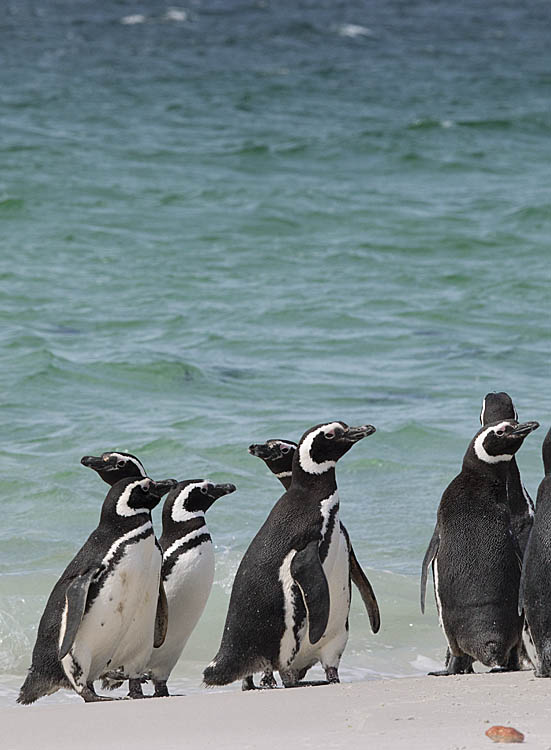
475	554
290	598
107	609
187	571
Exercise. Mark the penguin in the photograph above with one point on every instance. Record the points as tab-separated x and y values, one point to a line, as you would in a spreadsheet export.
278	457
187	571
291	594
535	584
475	556
102	612
112	466
496	407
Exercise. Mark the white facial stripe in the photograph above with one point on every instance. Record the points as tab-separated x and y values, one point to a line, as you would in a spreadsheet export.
326	506
123	509
482	453
123	539
132	460
283	474
184	540
306	461
179	513
483	412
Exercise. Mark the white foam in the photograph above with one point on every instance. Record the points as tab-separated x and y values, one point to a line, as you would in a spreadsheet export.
133	19
175	14
353	30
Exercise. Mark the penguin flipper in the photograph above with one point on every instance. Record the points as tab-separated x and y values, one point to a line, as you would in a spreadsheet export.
363	585
75	602
307	572
161	618
430	554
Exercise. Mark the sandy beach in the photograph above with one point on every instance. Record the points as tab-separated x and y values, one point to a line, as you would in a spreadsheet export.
441	713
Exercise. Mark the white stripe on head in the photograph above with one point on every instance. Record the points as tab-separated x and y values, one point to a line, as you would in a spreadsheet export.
122	507
483	411
179	513
481	452
137	463
306	461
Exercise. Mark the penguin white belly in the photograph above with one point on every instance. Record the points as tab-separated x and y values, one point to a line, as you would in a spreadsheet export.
187	589
329	648
121	618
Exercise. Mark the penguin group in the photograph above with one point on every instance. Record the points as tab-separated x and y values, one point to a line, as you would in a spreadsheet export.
126	605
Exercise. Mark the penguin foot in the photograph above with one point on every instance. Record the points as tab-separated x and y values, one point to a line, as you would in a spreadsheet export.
89	695
308	683
135	688
268	681
440	673
248	683
161	690
332	675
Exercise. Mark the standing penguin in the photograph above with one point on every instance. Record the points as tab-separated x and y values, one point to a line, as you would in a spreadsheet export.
535	585
278	457
188	569
111	584
475	557
291	594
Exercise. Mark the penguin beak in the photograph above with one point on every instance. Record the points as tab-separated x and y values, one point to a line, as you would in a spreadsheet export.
358	433
96	463
224	489
524	429
158	489
261	450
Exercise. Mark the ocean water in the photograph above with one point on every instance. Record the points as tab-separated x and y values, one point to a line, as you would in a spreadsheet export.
230	220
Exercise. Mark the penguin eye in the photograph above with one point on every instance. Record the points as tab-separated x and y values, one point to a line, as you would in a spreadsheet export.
120	464
204	490
330	435
285	449
500	432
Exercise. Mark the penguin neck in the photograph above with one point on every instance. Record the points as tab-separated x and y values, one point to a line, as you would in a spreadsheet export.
110	517
516	495
494	474
318	486
285	477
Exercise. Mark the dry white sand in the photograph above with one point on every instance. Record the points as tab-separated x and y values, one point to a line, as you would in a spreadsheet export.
437	713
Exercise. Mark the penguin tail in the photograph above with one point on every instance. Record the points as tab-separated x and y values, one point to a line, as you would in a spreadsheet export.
32	689
222	671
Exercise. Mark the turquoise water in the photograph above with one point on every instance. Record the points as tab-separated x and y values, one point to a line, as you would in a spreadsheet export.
229	221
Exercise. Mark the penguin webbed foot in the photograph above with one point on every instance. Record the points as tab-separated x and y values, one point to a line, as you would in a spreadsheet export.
455	665
161	690
332	675
267	681
89	695
135	689
248	683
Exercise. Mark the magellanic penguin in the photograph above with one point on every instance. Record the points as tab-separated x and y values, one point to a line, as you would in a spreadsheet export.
112	466
88	625
188	569
475	556
278	457
535	585
291	594
495	408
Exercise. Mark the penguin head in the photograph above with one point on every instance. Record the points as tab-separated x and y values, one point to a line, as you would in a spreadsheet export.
191	497
496	407
132	497
497	443
276	454
114	466
321	447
